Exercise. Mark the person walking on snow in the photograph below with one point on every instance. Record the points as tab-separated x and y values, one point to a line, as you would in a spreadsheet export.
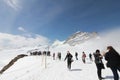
99	63
90	57
53	56
69	60
76	55
113	61
83	57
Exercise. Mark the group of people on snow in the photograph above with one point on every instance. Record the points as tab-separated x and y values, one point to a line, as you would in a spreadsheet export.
113	62
58	56
39	53
111	56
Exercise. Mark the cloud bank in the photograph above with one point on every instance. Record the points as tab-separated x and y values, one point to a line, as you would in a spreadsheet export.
8	41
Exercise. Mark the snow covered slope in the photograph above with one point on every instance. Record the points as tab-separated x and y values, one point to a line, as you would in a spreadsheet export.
57	43
32	68
80	37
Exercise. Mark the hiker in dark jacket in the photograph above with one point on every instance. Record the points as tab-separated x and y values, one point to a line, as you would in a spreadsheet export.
99	63
69	59
59	55
90	57
113	61
76	55
53	56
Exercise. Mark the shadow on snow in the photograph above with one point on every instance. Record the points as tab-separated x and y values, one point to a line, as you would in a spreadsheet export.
109	77
76	69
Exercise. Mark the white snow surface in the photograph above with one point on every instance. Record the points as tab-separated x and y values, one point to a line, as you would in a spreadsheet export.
33	68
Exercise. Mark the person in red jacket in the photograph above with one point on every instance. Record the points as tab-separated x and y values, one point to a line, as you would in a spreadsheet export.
83	57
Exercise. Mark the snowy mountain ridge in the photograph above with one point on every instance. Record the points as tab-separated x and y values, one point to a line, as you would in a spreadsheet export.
80	37
57	43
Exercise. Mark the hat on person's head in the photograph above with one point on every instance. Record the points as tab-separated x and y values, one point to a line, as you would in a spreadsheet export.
109	47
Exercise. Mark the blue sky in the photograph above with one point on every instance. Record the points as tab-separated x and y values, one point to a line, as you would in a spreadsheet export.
58	19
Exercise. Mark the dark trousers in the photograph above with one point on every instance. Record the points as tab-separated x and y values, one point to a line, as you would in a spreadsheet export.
115	72
69	64
99	69
76	57
83	59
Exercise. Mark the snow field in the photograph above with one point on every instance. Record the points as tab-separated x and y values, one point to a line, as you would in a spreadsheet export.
33	68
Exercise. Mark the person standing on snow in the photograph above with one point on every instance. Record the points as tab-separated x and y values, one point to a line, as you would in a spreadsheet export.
99	63
90	57
76	55
53	56
59	55
83	57
69	60
113	61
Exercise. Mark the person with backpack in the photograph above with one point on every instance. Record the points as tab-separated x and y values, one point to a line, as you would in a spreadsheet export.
99	64
69	60
113	61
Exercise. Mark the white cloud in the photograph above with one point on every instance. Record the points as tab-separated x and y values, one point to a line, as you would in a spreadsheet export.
15	4
27	33
21	29
17	41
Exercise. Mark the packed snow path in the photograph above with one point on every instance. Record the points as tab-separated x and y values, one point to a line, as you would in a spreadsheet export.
33	68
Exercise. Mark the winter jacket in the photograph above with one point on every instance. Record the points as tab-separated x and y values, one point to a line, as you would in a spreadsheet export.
98	58
68	57
113	59
98	61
